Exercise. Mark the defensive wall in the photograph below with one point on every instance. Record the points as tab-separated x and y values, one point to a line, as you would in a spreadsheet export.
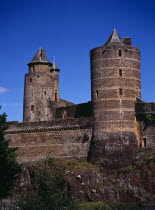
147	131
115	119
61	139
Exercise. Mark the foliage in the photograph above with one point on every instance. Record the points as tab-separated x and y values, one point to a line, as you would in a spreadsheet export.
128	169
94	206
150	159
53	191
148	119
137	206
75	165
85	138
49	161
9	167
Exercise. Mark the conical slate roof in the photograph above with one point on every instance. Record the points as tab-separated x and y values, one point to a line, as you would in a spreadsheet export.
40	57
54	66
114	39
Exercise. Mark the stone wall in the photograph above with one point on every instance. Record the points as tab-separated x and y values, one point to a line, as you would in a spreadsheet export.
147	132
148	137
74	111
115	82
143	107
61	139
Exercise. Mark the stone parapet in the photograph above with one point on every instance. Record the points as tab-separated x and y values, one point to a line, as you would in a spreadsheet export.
143	108
60	139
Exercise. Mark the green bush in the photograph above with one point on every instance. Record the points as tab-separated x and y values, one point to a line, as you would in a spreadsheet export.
52	193
85	138
9	167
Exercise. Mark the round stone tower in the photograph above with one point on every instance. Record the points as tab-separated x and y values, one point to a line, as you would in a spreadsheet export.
41	87
115	78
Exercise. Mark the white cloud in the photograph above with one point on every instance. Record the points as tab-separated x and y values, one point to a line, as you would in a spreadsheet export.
3	90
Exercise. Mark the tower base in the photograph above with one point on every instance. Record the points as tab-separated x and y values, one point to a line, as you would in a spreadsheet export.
113	150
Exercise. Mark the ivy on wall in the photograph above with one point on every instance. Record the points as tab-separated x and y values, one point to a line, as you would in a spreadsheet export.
148	119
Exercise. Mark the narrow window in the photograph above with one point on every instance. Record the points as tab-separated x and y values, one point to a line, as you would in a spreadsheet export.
96	93
30	80
45	93
32	107
33	69
120	72
64	115
120	92
120	53
56	97
144	142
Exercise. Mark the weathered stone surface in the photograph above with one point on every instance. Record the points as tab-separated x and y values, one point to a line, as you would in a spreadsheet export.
57	127
143	107
61	139
115	75
41	87
88	182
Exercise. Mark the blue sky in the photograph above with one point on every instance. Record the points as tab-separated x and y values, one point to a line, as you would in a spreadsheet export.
68	30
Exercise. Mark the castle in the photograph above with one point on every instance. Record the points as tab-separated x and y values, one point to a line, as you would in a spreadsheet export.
107	130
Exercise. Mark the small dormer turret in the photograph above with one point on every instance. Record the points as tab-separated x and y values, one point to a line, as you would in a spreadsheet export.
54	67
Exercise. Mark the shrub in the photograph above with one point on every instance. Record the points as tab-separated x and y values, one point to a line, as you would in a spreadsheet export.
85	138
53	191
9	167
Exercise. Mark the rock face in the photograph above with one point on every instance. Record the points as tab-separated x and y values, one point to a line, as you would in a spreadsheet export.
129	185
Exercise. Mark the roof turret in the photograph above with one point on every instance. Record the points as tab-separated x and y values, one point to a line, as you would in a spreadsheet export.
54	67
40	57
114	39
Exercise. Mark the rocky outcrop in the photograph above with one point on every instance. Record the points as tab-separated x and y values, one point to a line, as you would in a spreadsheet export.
129	185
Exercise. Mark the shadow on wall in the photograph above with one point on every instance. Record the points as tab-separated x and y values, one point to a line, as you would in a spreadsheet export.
83	110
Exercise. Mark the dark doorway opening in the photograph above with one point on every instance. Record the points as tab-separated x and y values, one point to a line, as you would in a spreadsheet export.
144	142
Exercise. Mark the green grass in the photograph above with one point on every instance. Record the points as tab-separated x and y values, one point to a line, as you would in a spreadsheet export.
74	164
94	206
128	169
106	206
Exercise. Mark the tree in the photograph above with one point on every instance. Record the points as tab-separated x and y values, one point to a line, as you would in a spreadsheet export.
9	167
52	192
